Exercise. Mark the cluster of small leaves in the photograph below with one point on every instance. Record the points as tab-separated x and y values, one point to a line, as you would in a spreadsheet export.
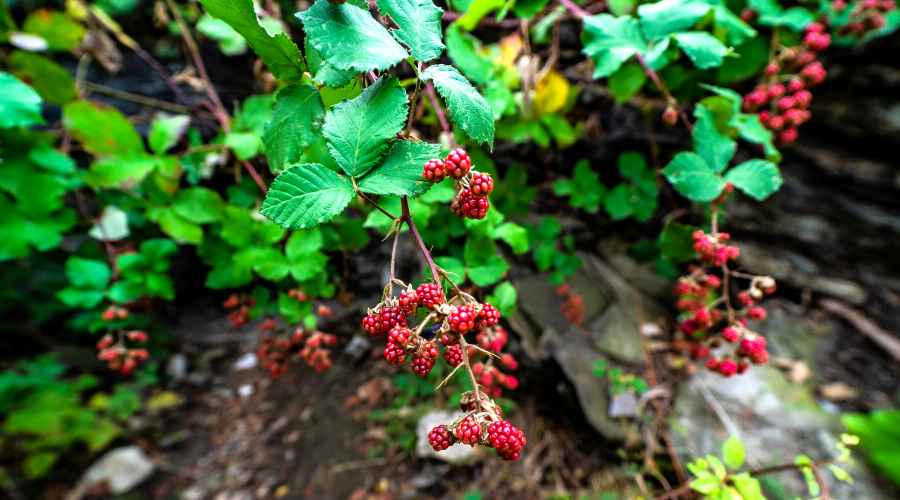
635	197
619	382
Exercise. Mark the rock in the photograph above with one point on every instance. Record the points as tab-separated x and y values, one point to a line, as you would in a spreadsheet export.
245	391
358	347
456	454
121	469
615	313
623	405
177	366
247	361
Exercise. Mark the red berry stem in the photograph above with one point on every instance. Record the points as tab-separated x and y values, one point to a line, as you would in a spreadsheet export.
407	218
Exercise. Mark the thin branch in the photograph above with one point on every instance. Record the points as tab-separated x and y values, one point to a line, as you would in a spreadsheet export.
404	203
255	176
438	110
149	102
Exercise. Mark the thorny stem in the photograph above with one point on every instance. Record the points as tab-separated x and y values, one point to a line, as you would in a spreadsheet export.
221	113
435	273
394	254
255	176
375	204
726	272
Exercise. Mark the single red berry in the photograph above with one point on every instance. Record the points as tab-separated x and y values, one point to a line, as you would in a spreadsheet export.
730	334
469	205
670	116
776	122
462	319
796	85
430	295
104	342
712	364
408	301
507	439
713	281
788	136
453	355
399	336
814	72
509	362
434	170
440	438
371	323
757	312
481	184
776	90
727	367
394	354
468	431
699	351
815	28
458	163
390	317
488	316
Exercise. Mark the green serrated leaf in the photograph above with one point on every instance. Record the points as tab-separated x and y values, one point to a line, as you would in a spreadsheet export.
324	73
468	109
358	130
693	178
504	298
306	195
618	203
419	24
199	204
467	54
513	235
53	82
703	49
124	172
20	105
280	54
102	130
401	171
626	82
296	120
757	178
60	31
349	38
610	41
166	131
715	148
664	18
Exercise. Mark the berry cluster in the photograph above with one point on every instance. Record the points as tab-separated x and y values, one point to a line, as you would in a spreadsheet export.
451	320
115	351
710	319
484	426
240	309
866	16
783	99
472	187
112	313
275	351
487	373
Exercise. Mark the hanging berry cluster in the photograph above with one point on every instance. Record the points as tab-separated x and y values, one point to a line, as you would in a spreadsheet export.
472	187
480	425
239	307
116	349
715	320
866	16
275	350
783	99
442	333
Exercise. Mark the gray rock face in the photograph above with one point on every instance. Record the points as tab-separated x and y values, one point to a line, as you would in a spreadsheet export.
614	313
121	469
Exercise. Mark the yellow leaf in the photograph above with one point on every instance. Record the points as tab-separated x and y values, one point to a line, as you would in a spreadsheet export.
550	93
163	401
510	47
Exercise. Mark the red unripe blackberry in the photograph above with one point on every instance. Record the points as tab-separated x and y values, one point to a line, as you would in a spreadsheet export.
453	355
394	354
408	301
786	103
399	336
788	136
462	319
507	439
772	69
776	90
128	366
434	170
817	41
712	364
815	28
458	163
509	362
139	354
104	342
699	351
757	313
488	316
805	58
702	317
713	281
468	431
688	326
391	316
137	336
730	334
748	15
422	365
876	21
430	295
776	122
512	383
742	366
109	314
727	367
670	116
813	72
109	354
469	205
796	85
371	323
481	184
440	438
755	99
795	116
